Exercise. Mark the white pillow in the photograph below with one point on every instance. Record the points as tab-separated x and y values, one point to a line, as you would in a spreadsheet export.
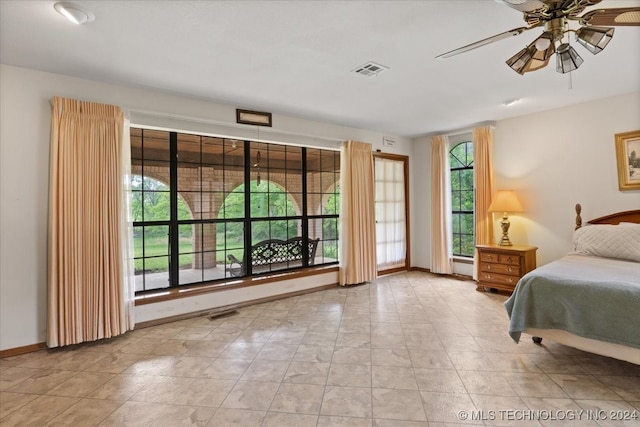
609	241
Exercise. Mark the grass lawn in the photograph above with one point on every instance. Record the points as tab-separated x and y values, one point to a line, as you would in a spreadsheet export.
158	246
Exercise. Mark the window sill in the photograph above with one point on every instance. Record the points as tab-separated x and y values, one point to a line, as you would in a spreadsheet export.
184	292
463	260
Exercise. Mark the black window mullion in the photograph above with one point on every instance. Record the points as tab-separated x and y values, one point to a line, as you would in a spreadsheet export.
247	209
194	252
222	211
174	262
305	219
268	184
144	276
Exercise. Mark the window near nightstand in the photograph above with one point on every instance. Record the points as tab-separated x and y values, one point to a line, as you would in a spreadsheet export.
462	199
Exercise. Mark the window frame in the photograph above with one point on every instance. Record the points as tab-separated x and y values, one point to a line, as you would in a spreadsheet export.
303	217
455	141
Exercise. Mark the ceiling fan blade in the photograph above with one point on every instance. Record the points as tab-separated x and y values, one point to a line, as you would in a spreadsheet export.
622	16
522	5
483	42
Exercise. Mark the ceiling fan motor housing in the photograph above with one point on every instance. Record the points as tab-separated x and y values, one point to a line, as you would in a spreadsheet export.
557	27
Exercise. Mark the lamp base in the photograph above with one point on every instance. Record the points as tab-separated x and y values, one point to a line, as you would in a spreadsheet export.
505	241
504	224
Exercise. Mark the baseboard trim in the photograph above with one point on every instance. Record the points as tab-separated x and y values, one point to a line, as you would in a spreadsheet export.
463	277
453	275
213	311
22	350
393	271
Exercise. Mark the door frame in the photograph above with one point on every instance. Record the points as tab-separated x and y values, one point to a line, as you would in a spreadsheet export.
405	162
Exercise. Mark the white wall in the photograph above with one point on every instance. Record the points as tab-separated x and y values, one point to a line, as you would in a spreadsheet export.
25	117
553	160
558	158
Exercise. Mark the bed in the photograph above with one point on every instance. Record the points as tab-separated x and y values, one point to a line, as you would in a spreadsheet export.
590	298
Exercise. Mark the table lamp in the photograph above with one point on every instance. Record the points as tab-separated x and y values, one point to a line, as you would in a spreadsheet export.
505	201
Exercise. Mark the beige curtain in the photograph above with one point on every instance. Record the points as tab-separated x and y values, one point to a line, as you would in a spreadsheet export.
441	250
357	214
88	297
483	177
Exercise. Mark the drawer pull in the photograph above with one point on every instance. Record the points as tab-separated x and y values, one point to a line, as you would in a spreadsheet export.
509	260
489	267
510	270
510	280
489	257
487	276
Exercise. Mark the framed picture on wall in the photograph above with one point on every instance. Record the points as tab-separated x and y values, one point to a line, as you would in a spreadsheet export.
628	158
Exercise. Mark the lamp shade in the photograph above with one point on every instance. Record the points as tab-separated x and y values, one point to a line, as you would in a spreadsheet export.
505	201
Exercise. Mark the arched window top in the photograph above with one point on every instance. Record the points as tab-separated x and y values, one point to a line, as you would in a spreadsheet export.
461	155
268	199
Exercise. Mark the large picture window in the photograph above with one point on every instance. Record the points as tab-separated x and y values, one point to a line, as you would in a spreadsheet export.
462	198
202	206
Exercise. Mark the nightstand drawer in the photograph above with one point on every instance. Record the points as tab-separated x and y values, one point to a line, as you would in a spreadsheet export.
488	257
499	278
509	259
513	270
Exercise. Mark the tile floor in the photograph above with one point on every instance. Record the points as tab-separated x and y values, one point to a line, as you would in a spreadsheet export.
407	350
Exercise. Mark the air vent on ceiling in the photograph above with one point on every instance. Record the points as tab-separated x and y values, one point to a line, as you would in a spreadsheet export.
370	69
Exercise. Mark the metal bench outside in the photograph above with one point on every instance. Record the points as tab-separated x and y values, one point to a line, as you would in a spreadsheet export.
272	253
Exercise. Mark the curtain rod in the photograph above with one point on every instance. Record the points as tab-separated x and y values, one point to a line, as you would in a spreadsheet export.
459	132
464	130
259	129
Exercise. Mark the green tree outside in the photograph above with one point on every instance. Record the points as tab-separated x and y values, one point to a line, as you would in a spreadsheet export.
150	202
268	200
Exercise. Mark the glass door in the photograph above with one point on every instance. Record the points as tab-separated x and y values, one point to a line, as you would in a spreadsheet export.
391	202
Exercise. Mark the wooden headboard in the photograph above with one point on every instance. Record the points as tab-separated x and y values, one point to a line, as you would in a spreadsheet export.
614	218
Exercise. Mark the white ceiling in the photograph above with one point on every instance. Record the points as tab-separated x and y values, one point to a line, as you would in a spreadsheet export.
296	57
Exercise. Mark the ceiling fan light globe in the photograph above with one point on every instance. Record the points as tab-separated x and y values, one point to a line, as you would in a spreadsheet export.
567	59
594	39
542	43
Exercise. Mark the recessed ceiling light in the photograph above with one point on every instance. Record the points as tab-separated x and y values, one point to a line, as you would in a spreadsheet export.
510	102
74	13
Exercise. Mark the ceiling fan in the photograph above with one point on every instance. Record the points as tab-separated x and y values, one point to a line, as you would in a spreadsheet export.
595	32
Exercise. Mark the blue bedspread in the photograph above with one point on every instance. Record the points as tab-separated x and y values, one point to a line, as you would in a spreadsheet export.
597	298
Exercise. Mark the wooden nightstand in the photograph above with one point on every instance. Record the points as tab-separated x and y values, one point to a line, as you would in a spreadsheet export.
500	267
